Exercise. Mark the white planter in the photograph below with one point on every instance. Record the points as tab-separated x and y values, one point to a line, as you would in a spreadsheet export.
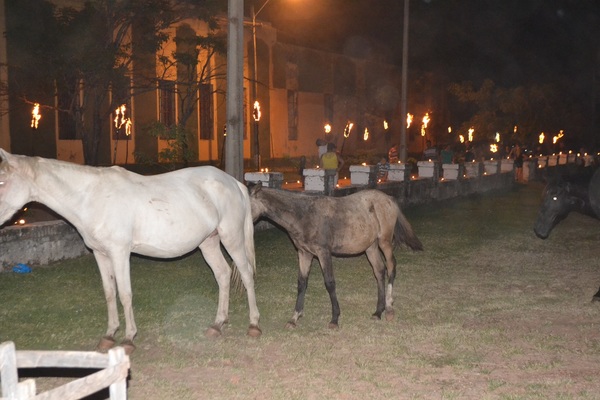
450	171
472	169
266	179
553	160
314	179
507	165
490	167
542	161
562	159
528	169
363	174
427	169
399	172
571	158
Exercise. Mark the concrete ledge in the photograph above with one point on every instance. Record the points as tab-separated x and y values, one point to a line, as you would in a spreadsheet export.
39	243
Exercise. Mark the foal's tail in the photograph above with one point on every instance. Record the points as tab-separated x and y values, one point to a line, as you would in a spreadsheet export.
403	233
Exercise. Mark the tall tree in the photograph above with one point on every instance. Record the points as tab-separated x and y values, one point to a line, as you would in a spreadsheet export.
86	54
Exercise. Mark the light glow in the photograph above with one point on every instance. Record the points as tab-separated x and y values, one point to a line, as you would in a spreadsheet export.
35	116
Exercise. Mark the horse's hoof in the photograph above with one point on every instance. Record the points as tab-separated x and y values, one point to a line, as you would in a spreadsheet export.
333	325
105	344
290	325
389	315
254	331
212	332
376	317
128	346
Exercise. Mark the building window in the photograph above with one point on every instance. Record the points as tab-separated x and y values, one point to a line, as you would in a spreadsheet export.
166	102
328	107
65	104
292	97
206	111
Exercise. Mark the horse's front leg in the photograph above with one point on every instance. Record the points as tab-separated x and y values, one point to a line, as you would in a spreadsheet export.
211	250
110	293
327	269
122	270
379	271
304	263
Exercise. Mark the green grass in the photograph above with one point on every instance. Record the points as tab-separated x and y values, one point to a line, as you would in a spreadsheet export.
487	311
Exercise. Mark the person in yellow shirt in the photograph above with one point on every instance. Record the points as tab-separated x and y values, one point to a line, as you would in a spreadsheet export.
331	162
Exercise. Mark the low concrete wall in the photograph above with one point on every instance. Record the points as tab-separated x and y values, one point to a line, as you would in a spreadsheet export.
39	243
42	243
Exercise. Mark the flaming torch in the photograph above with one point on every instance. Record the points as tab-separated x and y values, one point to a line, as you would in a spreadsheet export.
366	135
35	116
557	137
471	132
425	121
541	138
347	130
121	121
327	128
409	120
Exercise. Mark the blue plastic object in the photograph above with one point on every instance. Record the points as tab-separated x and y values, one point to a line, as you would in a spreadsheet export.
21	269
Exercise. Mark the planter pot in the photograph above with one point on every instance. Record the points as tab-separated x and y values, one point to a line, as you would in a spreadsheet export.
363	175
399	172
507	165
490	167
427	169
450	171
472	169
266	179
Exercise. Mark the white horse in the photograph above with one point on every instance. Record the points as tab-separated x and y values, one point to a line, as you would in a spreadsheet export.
118	212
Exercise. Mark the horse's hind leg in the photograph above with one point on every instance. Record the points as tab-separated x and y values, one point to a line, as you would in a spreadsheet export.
379	271
327	269
390	263
304	263
211	250
240	258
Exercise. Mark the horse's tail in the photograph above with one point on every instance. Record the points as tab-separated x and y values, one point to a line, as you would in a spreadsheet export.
249	235
236	279
403	233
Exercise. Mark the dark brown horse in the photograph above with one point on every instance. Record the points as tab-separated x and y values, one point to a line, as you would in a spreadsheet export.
368	222
561	196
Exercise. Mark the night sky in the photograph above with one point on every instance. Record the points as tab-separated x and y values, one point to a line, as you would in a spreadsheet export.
509	41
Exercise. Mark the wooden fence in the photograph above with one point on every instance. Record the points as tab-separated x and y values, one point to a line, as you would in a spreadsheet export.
114	368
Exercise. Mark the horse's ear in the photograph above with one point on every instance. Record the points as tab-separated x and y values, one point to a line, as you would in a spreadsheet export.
3	154
254	188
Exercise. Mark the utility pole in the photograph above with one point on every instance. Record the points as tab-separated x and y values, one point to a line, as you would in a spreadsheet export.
403	100
234	145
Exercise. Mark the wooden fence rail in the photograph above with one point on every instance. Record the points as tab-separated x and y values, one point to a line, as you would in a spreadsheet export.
114	368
